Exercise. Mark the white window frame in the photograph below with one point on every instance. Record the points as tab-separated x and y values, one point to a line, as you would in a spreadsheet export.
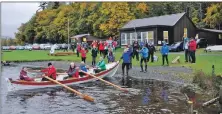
146	36
125	38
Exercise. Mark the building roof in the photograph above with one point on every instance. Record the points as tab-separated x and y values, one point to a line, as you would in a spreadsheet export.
87	36
165	20
80	35
211	30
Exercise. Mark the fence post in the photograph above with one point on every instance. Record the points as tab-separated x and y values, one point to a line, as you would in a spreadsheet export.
213	70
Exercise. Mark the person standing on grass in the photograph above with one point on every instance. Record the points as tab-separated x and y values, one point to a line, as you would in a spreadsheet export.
83	54
144	55
151	49
78	49
105	48
114	43
164	52
135	50
110	56
94	55
101	48
186	48
192	47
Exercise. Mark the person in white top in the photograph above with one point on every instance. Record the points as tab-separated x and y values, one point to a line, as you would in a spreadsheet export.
186	49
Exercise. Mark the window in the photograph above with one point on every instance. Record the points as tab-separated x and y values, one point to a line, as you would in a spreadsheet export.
150	37
132	37
123	39
220	36
144	36
185	32
128	38
138	36
165	36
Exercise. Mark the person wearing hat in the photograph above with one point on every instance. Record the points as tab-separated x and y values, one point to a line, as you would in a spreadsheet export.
101	65
164	52
73	70
50	72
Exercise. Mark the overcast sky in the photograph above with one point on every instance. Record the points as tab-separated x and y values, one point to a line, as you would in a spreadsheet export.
13	14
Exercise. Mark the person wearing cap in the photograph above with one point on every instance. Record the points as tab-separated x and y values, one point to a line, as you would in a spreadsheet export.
144	55
164	51
50	72
101	65
186	48
73	70
24	76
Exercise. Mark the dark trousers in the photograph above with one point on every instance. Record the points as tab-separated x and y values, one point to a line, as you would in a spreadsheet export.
100	52
45	79
165	57
135	53
84	59
98	70
150	56
65	49
187	55
141	63
77	52
127	65
93	61
193	56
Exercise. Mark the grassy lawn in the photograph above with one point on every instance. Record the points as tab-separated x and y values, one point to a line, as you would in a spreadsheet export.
204	62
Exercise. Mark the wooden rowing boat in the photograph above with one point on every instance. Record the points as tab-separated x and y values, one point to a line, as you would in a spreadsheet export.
61	54
14	85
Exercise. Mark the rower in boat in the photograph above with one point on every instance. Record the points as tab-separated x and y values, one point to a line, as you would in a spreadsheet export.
24	76
73	71
100	66
50	71
82	67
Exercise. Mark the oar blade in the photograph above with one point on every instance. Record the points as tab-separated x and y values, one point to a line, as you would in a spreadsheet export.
88	98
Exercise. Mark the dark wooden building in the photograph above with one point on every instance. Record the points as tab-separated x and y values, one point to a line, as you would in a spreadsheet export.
214	37
80	38
169	28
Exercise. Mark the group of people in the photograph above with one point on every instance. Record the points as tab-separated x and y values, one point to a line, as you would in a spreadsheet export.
189	49
104	48
73	71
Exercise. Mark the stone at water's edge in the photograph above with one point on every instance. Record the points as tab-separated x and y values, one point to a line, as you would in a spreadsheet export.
220	98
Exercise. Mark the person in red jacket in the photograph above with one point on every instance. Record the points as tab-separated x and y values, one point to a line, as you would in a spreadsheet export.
24	76
101	47
50	72
83	54
78	49
192	49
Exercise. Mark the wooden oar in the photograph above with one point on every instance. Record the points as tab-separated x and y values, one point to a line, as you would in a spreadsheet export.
85	97
123	89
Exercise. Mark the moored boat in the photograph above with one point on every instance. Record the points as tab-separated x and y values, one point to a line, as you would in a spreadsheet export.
14	85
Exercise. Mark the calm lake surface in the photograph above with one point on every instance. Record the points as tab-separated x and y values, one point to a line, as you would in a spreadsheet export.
149	97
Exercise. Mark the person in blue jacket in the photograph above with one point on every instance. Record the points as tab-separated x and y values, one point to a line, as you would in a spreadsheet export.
126	62
144	54
164	52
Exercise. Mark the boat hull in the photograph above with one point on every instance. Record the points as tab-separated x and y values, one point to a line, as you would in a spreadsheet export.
14	85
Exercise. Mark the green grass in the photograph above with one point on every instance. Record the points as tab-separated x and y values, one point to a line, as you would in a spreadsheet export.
204	62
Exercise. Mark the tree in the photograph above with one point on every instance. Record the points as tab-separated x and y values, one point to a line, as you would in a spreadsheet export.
214	15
